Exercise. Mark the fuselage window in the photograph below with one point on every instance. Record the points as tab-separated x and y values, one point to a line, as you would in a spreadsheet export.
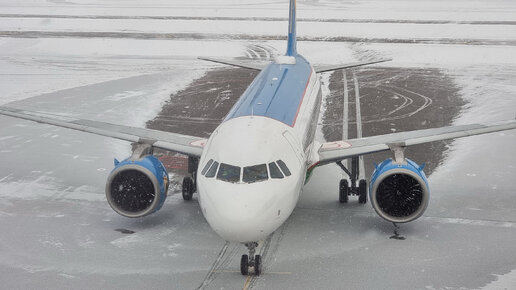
213	169
255	173
274	171
283	167
229	173
207	166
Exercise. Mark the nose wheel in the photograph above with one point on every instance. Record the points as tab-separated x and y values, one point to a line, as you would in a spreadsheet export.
251	260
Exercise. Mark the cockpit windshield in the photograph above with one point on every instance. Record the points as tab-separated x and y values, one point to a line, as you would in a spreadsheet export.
249	174
229	173
255	173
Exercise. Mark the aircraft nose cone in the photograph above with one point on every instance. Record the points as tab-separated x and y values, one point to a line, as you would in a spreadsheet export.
244	215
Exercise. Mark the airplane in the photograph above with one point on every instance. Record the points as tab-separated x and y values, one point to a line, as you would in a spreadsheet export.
250	172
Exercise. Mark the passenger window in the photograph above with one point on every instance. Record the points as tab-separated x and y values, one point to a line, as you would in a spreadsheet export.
283	167
207	166
213	169
255	173
274	171
229	173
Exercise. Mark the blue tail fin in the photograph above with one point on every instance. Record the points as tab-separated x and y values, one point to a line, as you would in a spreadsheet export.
291	46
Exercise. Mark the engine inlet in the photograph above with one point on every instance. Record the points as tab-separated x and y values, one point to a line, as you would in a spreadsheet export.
132	190
399	195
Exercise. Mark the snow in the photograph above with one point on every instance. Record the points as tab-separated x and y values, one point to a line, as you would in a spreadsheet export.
501	10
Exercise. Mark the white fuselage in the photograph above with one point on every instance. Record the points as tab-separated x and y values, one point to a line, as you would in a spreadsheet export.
239	208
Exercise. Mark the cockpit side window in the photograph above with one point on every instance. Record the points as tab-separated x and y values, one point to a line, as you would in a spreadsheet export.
213	169
283	167
274	171
255	173
229	173
206	167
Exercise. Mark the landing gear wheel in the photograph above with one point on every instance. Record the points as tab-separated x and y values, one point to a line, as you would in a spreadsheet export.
257	265
244	265
343	191
188	188
362	191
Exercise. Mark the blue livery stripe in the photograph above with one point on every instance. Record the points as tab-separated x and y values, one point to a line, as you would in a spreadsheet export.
277	92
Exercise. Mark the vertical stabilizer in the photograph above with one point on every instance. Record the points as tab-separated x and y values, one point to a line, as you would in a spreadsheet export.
291	46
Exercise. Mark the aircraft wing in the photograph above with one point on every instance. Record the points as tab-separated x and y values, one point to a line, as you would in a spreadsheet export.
259	65
189	145
239	63
339	150
320	69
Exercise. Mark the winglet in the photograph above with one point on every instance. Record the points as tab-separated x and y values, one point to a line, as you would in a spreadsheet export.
291	45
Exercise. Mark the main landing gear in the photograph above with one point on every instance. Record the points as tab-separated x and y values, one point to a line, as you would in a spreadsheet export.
251	260
189	182
345	190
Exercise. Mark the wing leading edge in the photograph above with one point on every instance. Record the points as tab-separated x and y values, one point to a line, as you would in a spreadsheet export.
189	145
336	151
254	65
320	69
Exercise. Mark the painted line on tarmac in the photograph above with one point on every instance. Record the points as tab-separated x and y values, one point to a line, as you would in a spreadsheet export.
247	282
345	113
361	167
473	222
219	261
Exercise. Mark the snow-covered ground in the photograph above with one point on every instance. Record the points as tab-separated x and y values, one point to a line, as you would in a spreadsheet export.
58	232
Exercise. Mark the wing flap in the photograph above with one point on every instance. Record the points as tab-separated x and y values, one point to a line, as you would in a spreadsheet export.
335	151
188	145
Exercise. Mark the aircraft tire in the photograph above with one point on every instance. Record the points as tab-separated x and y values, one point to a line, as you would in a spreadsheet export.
188	188
343	191
244	265
257	265
362	191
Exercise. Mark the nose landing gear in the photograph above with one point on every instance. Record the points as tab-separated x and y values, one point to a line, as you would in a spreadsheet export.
251	260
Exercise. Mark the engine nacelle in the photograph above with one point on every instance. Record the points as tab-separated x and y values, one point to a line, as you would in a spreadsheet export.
136	188
399	192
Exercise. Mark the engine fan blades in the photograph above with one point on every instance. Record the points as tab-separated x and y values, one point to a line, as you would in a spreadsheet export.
132	190
399	195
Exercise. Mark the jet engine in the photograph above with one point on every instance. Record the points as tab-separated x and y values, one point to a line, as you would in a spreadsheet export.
399	191
137	187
